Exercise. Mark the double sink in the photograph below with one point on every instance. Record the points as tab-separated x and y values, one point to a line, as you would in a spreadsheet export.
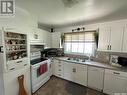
76	59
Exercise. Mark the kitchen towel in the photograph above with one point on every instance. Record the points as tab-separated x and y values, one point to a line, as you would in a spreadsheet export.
42	69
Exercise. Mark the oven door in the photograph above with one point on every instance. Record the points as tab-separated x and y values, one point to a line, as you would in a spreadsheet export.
39	80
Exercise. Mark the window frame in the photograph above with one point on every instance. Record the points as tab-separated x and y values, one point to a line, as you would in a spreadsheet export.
78	53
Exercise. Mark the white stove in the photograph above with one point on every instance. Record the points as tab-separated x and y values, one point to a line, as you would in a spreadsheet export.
39	79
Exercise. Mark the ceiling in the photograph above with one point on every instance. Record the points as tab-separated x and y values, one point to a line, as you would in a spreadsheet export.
53	13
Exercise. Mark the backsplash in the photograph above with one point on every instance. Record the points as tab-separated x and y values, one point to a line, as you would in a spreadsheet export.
102	56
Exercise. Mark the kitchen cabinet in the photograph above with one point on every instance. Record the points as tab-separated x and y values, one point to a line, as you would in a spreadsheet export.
75	72
11	83
80	74
69	71
95	78
58	68
116	36
124	48
56	39
111	37
115	82
35	34
40	36
104	38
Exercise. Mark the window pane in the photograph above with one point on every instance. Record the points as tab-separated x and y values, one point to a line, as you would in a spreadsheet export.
82	37
74	47
81	47
67	47
75	37
89	36
68	37
89	48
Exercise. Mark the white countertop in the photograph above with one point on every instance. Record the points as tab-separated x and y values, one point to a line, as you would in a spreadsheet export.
96	64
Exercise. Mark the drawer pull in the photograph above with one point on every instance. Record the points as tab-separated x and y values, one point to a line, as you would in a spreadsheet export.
59	65
59	69
12	68
25	64
74	70
19	61
116	73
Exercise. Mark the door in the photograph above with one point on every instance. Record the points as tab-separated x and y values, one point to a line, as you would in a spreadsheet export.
95	77
114	82
68	71
116	37
80	75
104	38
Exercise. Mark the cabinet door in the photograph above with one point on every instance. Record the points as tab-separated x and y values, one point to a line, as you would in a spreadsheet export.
55	66
68	71
124	48
35	34
95	77
56	39
114	83
104	38
80	75
116	37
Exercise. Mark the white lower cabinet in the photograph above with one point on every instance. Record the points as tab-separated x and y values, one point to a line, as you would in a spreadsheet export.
76	73
95	77
58	68
80	75
115	82
69	71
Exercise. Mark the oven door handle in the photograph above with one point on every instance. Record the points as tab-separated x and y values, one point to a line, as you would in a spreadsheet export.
35	67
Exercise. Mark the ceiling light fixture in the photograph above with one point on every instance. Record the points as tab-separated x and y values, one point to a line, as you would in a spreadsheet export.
70	3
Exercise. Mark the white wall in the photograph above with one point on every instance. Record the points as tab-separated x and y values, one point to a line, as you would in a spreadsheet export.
95	26
20	21
88	26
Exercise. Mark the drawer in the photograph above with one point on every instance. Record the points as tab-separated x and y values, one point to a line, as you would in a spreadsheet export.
91	68
16	64
59	74
117	73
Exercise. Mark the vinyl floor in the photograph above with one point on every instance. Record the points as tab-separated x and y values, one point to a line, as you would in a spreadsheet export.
57	86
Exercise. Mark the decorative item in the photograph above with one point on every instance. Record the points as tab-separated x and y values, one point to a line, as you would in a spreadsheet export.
22	90
78	29
62	39
35	36
97	37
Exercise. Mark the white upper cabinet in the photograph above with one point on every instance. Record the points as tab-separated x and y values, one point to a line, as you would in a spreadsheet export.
56	39
116	37
104	38
111	37
124	48
39	35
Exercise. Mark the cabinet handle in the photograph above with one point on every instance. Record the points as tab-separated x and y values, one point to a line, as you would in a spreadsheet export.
74	70
59	65
25	64
108	47
12	68
59	69
19	61
116	73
